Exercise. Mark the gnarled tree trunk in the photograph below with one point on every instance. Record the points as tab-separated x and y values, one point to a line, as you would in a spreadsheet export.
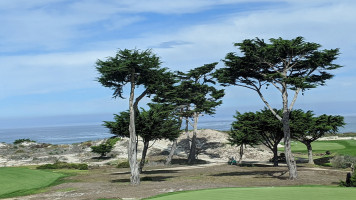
275	155
171	153
144	153
132	151
193	147
292	166
310	153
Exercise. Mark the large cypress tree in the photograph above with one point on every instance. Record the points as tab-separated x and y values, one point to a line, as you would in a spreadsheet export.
135	68
290	66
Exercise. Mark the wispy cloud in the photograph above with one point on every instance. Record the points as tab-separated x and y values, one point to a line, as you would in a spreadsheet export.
48	47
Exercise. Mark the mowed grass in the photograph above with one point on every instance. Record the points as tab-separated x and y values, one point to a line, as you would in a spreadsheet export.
264	193
16	181
342	147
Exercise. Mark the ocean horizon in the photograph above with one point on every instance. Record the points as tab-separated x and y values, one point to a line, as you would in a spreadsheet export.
68	134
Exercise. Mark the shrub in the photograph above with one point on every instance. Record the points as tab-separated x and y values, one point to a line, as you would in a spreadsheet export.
64	165
350	181
343	161
102	149
19	141
124	164
105	148
112	141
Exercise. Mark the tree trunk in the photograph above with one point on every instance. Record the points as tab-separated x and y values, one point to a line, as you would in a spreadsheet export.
186	132
144	152
241	153
292	167
275	155
175	143
132	151
173	150
310	153
193	147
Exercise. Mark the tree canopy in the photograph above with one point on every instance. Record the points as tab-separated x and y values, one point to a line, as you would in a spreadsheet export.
137	68
154	124
307	128
288	65
256	128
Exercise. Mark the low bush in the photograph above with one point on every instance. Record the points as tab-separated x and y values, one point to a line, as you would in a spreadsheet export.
105	148
124	164
64	165
350	181
343	161
102	149
19	141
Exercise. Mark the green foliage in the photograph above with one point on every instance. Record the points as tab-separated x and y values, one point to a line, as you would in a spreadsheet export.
64	165
255	128
349	183
153	124
343	161
142	66
307	128
243	130
104	148
197	89
295	62
19	141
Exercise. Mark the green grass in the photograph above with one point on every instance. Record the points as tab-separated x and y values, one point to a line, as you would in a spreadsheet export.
17	181
264	193
342	147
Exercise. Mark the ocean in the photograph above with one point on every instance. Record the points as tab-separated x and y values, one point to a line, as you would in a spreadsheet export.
82	133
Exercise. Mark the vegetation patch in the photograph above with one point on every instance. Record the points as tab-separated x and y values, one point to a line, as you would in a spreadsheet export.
64	165
264	193
19	141
16	181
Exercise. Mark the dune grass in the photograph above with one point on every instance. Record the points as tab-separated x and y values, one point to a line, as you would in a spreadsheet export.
18	181
264	193
342	147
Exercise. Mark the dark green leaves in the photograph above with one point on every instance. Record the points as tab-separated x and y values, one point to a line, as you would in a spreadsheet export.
116	72
298	63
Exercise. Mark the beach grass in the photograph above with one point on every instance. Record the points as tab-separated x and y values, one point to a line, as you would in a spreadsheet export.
19	181
264	193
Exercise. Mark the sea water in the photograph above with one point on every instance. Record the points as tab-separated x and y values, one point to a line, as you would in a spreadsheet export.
81	133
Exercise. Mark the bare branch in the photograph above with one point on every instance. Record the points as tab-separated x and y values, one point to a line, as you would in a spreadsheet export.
275	85
294	98
189	122
269	106
139	98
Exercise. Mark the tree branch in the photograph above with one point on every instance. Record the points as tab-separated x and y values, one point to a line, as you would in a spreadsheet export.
275	85
269	107
139	98
294	98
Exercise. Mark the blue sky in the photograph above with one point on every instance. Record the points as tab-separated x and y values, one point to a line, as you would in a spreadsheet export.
48	50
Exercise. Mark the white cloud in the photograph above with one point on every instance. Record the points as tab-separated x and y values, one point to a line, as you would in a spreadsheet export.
38	25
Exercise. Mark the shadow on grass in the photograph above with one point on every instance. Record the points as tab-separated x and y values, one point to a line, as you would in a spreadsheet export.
160	172
267	174
143	179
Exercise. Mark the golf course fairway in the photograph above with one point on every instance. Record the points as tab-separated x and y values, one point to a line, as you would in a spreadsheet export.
265	193
15	181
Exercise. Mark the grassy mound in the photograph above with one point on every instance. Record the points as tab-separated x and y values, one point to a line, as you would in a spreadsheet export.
265	193
15	181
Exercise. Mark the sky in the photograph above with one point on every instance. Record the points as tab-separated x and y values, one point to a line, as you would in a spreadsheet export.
48	51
